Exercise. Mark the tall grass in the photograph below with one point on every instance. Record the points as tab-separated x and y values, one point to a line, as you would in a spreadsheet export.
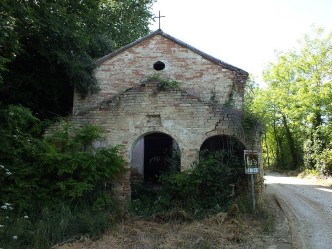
53	225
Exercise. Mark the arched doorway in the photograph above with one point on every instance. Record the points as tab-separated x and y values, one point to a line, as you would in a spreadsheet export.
152	155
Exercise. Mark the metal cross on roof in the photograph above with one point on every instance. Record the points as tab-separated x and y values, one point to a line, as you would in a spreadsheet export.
159	17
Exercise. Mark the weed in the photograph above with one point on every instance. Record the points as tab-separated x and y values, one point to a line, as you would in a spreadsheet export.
311	172
269	222
164	84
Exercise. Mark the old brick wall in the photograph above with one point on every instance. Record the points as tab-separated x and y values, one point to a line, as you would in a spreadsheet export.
128	116
197	75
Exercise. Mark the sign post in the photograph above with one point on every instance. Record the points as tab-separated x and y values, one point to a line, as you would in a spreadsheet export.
251	163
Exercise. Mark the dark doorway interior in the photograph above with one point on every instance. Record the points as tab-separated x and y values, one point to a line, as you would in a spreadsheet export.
157	147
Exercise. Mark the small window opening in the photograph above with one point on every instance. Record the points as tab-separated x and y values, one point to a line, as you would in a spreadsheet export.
159	65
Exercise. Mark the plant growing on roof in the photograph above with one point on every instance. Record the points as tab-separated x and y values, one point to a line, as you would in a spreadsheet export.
164	84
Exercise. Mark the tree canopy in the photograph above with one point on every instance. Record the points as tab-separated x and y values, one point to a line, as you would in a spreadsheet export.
48	47
296	105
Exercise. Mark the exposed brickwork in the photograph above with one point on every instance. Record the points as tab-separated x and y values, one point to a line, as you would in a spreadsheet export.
190	121
129	106
197	75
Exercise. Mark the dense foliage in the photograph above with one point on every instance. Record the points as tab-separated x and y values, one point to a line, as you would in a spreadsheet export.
212	183
296	106
40	176
57	186
62	166
48	47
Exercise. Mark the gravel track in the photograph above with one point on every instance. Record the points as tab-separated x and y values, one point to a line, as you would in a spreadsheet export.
308	208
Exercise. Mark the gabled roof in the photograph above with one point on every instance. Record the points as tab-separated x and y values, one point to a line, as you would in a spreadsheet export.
162	33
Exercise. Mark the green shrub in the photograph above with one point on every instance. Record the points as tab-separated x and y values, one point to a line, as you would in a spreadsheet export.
207	184
39	171
203	189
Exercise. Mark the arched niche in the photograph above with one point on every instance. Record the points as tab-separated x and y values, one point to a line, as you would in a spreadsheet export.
153	154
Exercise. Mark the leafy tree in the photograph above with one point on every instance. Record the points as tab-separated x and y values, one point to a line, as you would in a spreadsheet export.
44	55
251	122
124	20
296	103
281	77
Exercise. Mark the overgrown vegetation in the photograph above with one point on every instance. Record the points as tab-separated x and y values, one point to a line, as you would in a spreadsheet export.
55	187
164	84
210	186
53	224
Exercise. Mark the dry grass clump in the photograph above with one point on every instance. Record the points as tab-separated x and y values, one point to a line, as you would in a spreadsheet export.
222	230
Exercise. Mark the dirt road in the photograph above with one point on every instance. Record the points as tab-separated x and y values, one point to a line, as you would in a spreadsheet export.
308	207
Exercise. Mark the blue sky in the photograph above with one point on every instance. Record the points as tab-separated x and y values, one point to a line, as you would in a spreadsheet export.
244	33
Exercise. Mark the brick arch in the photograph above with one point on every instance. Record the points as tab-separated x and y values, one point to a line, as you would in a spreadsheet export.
223	132
152	130
225	143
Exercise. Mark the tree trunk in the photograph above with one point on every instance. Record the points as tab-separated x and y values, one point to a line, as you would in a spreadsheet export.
267	152
278	145
291	143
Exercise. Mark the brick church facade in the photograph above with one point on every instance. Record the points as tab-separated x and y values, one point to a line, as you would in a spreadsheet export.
137	111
